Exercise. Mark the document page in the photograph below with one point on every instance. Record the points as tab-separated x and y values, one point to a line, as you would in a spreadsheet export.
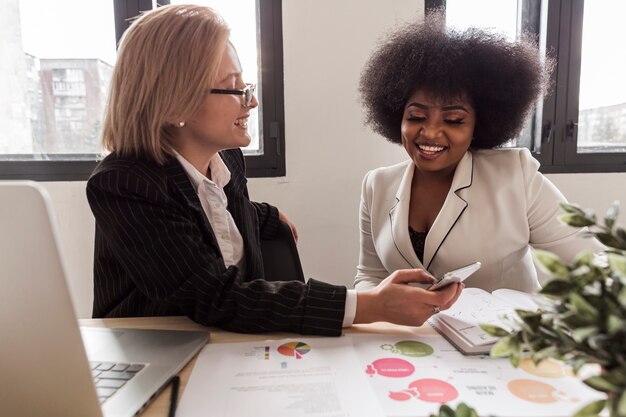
474	307
518	299
412	375
312	377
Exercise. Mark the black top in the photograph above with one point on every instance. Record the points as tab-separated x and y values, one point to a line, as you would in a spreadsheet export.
418	240
156	254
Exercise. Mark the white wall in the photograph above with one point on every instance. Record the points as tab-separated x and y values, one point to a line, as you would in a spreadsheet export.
76	229
595	191
328	148
326	43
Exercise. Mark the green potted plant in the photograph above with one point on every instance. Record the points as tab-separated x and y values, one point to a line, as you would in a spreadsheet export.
462	410
582	319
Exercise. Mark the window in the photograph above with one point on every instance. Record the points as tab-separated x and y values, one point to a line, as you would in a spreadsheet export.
56	78
581	126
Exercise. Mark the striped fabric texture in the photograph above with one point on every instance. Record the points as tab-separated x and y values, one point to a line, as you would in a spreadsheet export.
156	254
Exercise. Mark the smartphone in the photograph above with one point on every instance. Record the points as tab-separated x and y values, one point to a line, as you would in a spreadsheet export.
457	275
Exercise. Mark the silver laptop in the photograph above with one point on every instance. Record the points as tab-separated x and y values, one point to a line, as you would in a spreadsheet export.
46	368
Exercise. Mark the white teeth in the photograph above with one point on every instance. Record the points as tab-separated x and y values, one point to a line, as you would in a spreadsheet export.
431	148
243	122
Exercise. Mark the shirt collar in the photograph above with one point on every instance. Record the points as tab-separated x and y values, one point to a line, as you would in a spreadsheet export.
220	175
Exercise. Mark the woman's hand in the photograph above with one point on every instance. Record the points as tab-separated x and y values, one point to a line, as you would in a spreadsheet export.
292	226
396	302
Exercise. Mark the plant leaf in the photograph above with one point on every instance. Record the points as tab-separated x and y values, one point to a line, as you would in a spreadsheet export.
551	263
515	359
545	353
621	405
611	215
516	351
599	343
577	364
583	333
502	348
446	411
463	410
591	409
573	320
616	377
584	309
531	319
622	296
557	288
582	274
617	263
584	258
614	324
577	220
494	330
547	332
600	383
609	240
571	208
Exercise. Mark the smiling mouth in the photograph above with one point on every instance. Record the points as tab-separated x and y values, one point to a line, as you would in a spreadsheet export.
430	149
242	122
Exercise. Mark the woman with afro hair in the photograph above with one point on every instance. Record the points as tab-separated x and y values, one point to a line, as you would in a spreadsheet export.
451	99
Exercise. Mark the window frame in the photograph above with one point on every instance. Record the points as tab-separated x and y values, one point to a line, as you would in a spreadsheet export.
558	141
271	163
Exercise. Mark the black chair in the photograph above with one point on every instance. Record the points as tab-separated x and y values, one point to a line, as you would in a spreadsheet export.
281	261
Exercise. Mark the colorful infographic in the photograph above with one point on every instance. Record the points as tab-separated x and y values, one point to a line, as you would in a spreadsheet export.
390	367
414	375
412	348
295	349
404	374
546	369
537	391
429	390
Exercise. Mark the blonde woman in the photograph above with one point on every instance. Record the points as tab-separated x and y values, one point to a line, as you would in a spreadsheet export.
175	231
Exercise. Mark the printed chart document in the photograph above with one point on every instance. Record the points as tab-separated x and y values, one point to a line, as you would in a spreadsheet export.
460	323
312	377
412	375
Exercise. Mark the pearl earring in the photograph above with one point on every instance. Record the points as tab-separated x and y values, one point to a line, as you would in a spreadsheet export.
181	124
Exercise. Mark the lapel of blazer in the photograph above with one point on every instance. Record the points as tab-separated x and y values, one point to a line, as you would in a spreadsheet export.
238	205
243	212
399	218
176	172
452	209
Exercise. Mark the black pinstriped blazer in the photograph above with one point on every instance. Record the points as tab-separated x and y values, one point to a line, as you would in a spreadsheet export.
156	254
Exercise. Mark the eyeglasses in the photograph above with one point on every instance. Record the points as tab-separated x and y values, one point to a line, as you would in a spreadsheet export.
247	93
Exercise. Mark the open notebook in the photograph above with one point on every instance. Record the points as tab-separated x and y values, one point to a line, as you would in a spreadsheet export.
460	323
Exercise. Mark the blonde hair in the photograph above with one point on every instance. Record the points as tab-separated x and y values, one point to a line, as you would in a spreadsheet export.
166	61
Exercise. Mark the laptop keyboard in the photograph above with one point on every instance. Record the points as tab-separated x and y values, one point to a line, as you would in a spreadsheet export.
109	377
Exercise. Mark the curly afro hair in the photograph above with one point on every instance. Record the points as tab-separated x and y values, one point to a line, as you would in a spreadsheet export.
502	79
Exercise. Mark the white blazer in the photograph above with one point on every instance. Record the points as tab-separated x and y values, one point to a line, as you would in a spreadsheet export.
499	205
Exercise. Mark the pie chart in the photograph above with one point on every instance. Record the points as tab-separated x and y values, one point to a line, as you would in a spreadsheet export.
295	349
